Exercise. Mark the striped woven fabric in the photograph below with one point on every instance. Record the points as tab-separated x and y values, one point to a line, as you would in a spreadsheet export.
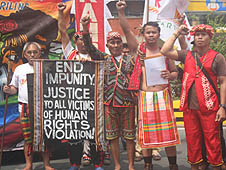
99	106
25	123
38	141
115	85
157	125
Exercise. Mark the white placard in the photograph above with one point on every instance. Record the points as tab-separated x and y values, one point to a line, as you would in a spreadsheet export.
153	67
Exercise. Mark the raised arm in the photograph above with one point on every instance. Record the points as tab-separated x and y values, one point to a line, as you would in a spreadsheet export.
181	38
130	37
94	53
182	42
167	48
62	24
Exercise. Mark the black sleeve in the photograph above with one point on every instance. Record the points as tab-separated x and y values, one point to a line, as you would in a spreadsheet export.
94	53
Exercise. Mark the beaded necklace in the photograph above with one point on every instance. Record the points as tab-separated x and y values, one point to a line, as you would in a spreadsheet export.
120	65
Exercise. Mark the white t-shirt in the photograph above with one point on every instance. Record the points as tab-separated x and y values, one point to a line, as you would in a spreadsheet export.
19	81
69	51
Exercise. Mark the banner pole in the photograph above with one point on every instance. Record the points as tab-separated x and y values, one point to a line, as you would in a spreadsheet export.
147	8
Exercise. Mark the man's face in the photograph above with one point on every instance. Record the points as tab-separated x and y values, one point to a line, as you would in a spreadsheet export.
80	45
125	51
151	34
115	47
32	52
202	39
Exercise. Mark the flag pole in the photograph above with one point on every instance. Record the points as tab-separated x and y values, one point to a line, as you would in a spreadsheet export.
147	8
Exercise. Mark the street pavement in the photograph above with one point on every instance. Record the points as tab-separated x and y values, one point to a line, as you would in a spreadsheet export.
63	163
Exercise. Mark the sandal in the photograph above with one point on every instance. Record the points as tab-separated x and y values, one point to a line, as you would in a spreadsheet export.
203	166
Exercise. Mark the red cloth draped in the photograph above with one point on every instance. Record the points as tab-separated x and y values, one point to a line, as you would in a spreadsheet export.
134	83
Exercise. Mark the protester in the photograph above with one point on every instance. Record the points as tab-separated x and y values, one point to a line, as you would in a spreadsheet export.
31	50
75	147
118	102
138	151
201	101
159	111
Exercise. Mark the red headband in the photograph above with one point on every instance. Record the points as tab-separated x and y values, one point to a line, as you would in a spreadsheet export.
113	35
201	27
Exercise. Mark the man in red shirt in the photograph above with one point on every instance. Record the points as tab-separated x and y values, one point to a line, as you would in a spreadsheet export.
203	109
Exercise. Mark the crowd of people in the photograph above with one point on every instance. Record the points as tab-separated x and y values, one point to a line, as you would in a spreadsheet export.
137	97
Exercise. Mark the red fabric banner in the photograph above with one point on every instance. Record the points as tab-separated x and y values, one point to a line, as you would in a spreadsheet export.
95	9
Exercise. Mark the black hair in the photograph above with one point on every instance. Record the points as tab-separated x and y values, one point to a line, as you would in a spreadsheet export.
150	23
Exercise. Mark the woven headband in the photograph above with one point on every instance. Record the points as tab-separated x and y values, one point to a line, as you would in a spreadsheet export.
113	35
202	27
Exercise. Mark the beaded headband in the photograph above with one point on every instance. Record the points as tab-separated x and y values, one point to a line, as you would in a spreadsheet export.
113	35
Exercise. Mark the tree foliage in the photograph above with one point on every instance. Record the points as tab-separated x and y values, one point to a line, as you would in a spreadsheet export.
218	42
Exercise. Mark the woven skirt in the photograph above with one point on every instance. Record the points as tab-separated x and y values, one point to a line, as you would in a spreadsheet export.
156	120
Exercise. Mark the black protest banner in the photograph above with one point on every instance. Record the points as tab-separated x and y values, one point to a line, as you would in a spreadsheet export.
68	99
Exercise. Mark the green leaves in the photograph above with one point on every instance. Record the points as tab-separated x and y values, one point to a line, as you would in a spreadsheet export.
217	21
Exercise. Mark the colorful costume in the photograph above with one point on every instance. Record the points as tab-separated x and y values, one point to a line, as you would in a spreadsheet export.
156	121
201	120
119	104
134	83
157	124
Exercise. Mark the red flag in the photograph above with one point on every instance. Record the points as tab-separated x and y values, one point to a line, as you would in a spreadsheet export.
95	9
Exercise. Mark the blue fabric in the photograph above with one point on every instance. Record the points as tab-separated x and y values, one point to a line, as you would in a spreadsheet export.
99	168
